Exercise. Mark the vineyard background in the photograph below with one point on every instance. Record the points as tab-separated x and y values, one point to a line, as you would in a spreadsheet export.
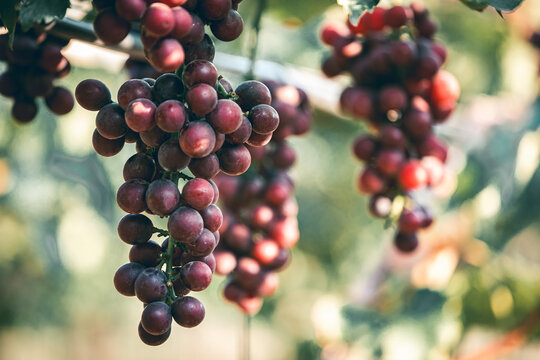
347	294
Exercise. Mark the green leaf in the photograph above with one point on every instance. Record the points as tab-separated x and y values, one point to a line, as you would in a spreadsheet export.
38	11
505	5
8	15
477	5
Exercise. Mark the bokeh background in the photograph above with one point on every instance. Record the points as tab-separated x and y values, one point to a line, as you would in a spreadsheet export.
472	290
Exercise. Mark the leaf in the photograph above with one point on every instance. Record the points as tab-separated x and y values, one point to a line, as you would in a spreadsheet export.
8	16
477	5
36	11
505	5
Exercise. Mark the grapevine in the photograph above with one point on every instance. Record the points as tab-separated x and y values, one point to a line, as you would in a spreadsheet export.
401	92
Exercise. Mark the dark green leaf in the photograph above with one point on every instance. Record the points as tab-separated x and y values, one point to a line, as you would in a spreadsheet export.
36	11
8	15
505	5
478	5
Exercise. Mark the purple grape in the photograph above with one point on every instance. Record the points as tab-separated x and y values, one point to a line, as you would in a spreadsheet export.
234	160
171	157
139	166
153	340
156	318
162	197
92	94
198	193
171	116
147	254
188	311
242	134
264	119
202	99
133	89
135	229
196	275
125	276
200	72
151	285
198	139
110	122
106	147
227	117
252	93
206	167
131	196
185	225
140	115
230	28
212	217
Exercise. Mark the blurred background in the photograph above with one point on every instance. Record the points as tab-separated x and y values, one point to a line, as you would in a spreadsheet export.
472	290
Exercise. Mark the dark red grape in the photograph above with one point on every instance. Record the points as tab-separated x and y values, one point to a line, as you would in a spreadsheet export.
147	254
92	94
227	117
200	72
197	139
234	160
106	147
139	166
162	197
188	311
156	318
252	93
198	193
196	275
185	225
206	167
202	99
125	276
135	229
110	28
131	196
151	285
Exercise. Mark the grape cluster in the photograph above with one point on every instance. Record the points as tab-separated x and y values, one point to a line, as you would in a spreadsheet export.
193	120
172	31
33	63
260	225
400	90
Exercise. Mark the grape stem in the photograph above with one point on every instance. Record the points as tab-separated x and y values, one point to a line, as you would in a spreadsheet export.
169	270
160	232
254	38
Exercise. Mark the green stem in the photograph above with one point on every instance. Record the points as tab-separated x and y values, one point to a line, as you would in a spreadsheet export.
160	232
254	38
169	271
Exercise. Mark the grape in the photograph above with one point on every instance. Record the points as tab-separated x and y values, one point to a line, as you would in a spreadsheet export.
153	340
140	115
147	254
92	94
234	160
187	311
258	140
158	20
139	166
212	217
202	99
133	89
60	101
130	10
371	181
170	116
182	23
203	50
167	87
24	110
9	84
110	122
196	32
380	206
150	285
197	139
125	276
206	167
185	224
131	196
252	93
214	9
397	16
417	123
154	137
412	175
156	318
227	117
135	229
198	193
166	55
106	147
229	28
110	28
389	162
406	242
162	197
225	262
265	251
196	275
238	238
199	72
264	119
242	134
171	157
204	245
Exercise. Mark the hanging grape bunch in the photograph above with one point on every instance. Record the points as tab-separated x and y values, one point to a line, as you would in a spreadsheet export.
260	225
401	92
33	63
178	123
172	31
